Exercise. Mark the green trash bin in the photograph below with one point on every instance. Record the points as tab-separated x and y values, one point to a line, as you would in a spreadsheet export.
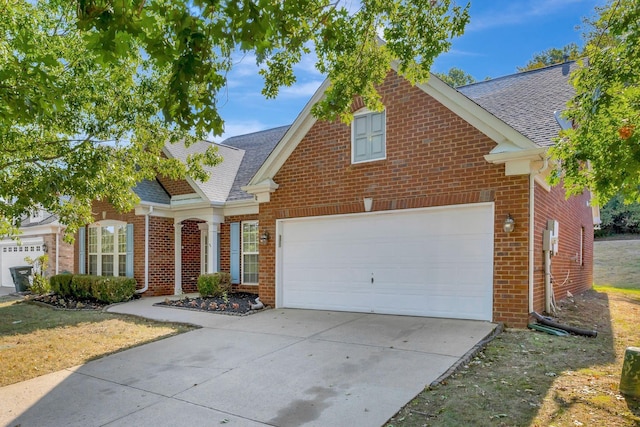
20	276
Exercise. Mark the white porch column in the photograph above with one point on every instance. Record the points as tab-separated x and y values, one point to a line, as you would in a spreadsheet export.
178	257
212	261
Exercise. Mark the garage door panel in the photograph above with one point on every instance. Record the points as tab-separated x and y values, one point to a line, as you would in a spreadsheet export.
428	262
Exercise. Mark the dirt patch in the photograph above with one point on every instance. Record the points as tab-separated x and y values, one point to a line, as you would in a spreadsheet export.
527	378
235	304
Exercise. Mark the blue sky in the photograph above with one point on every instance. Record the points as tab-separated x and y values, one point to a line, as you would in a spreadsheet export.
502	35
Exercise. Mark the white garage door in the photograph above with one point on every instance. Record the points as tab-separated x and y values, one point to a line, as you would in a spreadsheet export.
434	262
12	255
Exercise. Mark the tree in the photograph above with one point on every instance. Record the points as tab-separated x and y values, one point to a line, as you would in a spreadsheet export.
456	77
552	56
91	90
602	151
619	217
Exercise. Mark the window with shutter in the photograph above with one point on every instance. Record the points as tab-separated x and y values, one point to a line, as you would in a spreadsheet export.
368	137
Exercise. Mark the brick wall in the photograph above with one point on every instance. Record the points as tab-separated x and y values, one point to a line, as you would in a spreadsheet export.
64	250
434	158
191	254
161	248
575	219
175	187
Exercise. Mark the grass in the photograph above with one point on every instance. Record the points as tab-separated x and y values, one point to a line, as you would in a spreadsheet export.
36	340
616	263
527	378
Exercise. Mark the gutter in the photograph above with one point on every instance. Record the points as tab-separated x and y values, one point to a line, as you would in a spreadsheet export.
532	206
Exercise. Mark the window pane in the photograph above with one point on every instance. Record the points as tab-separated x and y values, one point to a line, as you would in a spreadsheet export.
107	265
122	239
93	240
122	265
93	264
250	237
107	239
250	268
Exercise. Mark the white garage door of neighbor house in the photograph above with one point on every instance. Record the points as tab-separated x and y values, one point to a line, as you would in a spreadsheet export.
435	262
12	255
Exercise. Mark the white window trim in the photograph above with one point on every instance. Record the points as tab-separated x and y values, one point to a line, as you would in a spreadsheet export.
242	252
363	112
116	253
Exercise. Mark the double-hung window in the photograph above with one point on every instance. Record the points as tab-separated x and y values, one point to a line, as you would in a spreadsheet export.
107	246
250	242
368	137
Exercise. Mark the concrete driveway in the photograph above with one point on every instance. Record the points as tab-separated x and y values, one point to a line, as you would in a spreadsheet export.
276	368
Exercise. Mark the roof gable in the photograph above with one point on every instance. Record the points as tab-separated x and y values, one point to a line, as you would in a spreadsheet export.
221	177
506	137
257	147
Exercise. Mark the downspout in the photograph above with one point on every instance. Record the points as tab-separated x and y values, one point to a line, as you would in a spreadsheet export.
532	187
146	251
532	235
548	290
58	251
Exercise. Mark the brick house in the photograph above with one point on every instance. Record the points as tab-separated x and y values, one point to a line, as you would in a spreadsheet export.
436	206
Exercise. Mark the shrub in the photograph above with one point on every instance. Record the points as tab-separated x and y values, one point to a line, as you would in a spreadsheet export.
113	289
61	284
39	285
214	285
81	286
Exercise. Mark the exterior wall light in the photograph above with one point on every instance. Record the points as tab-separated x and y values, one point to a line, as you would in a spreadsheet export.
264	237
44	248
509	224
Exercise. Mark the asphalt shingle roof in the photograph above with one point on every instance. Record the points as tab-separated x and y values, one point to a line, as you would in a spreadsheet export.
526	101
152	191
222	176
257	147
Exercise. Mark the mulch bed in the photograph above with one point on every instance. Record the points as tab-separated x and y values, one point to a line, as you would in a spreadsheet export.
67	303
236	304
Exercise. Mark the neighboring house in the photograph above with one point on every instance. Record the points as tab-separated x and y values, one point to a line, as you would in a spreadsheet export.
40	233
403	212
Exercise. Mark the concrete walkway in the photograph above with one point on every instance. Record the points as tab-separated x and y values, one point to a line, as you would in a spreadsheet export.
277	368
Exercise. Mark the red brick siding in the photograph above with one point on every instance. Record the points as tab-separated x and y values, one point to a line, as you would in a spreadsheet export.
161	256
191	254
572	215
176	187
434	158
161	248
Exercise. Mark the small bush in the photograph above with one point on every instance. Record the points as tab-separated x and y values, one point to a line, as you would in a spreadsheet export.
214	285
81	286
113	289
61	284
40	285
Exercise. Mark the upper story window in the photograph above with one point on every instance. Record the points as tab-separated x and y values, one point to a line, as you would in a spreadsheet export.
368	137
